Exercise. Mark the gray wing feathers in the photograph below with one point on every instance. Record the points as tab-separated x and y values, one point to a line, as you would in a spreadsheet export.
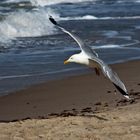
76	38
113	77
84	48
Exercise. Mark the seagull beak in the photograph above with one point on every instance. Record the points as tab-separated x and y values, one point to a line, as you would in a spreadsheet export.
66	62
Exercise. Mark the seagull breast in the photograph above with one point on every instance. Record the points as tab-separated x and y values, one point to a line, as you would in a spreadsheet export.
85	60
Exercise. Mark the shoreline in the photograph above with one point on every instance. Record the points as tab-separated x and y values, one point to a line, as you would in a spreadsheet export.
56	77
64	96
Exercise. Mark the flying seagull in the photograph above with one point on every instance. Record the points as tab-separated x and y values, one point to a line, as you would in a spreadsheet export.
90	58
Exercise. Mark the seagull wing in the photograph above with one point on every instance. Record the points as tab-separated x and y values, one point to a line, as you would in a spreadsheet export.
85	49
112	76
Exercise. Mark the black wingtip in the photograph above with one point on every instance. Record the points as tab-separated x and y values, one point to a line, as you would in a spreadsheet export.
121	91
52	20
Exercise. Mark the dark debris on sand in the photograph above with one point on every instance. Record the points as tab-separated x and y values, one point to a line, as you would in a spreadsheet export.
134	97
97	107
89	111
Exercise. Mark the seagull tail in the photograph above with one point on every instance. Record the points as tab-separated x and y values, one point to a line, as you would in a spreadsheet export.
124	93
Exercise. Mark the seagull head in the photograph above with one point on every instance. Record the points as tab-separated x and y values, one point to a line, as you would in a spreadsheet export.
74	58
77	58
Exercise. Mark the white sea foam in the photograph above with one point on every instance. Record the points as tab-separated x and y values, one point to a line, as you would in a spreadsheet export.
14	1
86	17
110	34
13	76
50	2
36	23
37	74
106	46
91	17
27	24
138	1
134	1
122	46
137	27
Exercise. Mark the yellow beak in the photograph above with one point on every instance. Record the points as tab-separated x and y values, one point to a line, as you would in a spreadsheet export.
66	62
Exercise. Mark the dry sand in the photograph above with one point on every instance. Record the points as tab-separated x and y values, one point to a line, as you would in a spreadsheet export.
79	107
122	123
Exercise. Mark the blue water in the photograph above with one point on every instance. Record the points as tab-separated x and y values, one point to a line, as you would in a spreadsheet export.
32	50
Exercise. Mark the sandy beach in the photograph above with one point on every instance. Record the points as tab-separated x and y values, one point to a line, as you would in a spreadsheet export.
122	123
78	107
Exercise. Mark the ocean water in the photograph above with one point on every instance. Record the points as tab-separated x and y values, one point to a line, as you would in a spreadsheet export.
32	50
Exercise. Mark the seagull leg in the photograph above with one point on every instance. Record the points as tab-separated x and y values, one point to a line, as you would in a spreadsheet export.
97	71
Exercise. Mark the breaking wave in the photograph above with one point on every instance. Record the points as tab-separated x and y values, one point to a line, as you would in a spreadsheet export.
52	2
26	24
35	22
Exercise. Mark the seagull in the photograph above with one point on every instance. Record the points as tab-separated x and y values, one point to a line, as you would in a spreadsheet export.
90	58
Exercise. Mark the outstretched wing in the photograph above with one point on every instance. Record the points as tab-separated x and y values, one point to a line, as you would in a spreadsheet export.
113	77
87	50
